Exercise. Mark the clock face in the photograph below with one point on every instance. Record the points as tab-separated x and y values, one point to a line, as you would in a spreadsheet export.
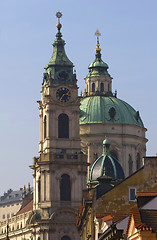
63	94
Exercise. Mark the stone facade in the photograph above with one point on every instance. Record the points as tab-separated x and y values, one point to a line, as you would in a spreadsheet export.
126	141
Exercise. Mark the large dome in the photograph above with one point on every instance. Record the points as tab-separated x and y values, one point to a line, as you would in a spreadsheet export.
104	109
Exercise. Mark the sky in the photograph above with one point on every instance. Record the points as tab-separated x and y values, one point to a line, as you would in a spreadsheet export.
27	29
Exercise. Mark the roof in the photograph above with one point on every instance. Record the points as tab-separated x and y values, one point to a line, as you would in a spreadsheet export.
107	109
11	197
149	217
144	219
106	166
146	194
98	67
27	208
114	217
145	197
59	70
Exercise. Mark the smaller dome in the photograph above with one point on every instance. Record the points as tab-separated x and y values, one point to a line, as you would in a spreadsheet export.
98	67
106	165
106	142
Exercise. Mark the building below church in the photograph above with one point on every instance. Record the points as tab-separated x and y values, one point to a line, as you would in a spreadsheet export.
108	205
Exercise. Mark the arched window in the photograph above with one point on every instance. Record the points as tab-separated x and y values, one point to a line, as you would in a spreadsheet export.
45	127
101	87
138	161
93	87
130	164
63	126
65	188
39	188
65	238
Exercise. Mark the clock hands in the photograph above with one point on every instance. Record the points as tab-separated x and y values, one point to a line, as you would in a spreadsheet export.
63	94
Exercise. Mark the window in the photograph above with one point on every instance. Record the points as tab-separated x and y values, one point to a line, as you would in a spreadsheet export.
138	161
102	87
130	163
39	190
65	188
3	216
8	215
45	126
65	238
93	87
132	194
63	126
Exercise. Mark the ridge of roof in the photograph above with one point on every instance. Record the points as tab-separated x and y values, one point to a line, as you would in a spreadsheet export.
26	208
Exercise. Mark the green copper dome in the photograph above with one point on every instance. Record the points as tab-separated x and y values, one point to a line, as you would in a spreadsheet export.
98	67
106	165
103	109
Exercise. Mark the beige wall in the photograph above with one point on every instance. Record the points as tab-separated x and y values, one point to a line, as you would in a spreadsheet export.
9	210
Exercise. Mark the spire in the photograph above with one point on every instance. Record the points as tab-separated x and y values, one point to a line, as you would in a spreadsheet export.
98	67
97	34
59	26
59	67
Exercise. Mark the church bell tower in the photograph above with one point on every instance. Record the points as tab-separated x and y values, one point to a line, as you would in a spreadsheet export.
60	171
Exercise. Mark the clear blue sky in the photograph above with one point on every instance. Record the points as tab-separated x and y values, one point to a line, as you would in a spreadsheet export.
27	30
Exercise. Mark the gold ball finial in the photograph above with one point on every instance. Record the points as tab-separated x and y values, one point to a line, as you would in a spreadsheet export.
97	34
59	15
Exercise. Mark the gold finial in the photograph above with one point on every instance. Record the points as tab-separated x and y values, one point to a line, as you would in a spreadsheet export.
59	15
24	191
97	34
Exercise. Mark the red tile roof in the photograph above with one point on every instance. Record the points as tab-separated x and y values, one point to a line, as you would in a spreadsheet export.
145	219
107	218
136	215
149	217
26	208
119	217
146	194
114	217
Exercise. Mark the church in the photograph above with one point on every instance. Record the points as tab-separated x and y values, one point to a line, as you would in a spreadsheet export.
72	129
